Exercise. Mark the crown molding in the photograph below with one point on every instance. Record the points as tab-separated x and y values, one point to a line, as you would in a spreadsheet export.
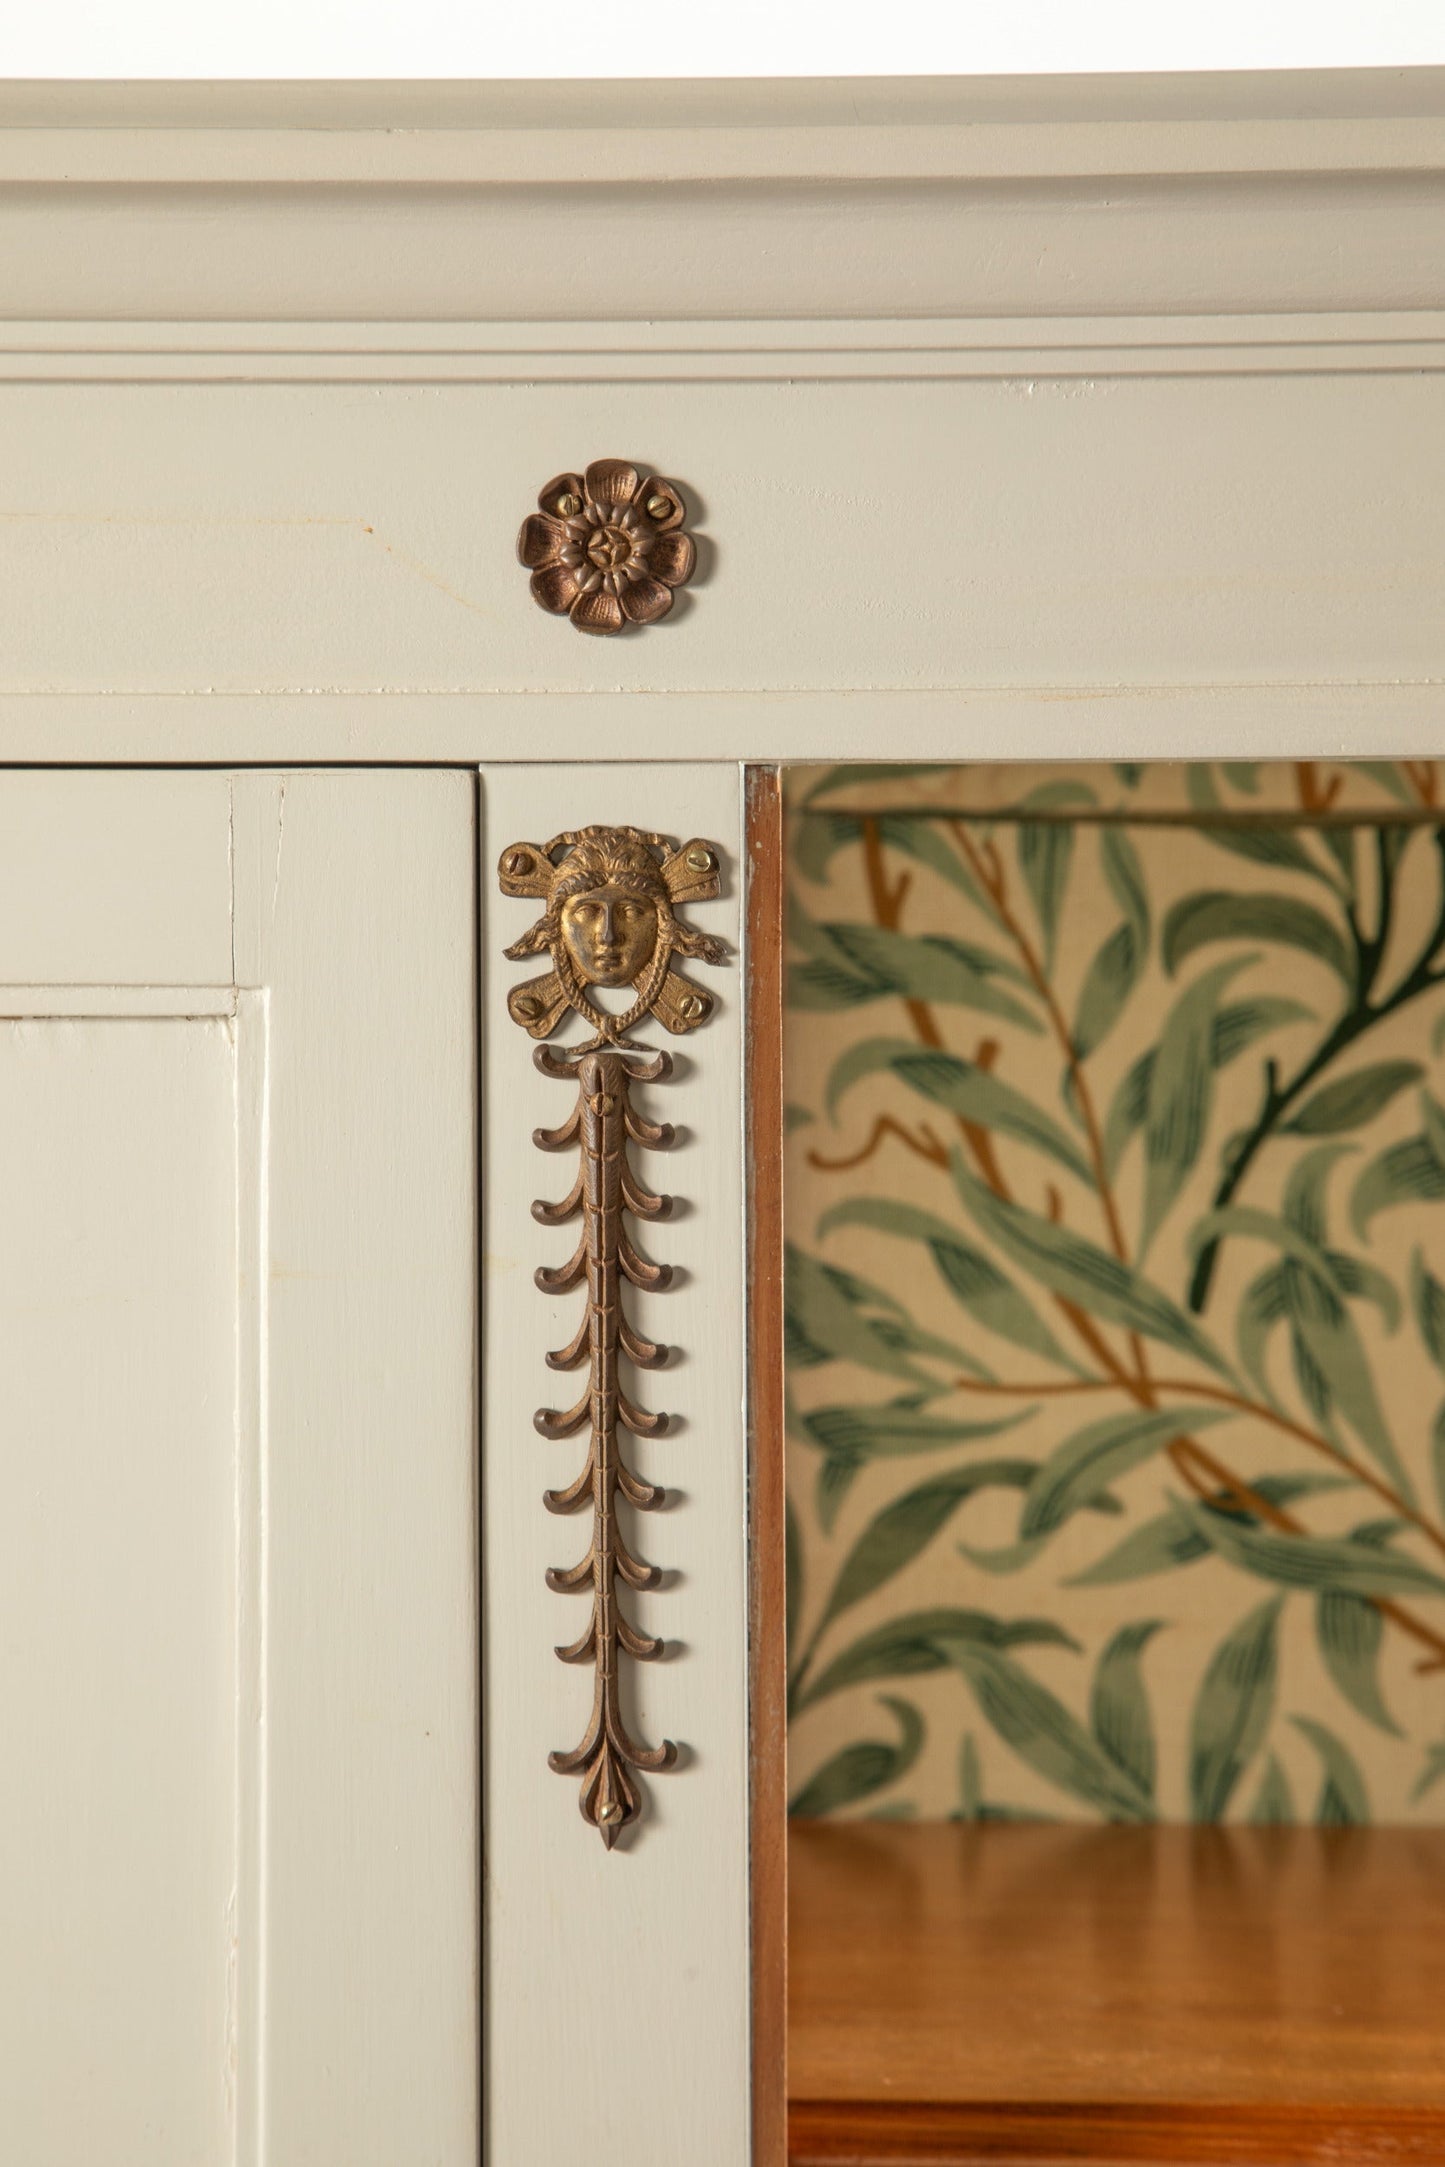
1027	198
640	133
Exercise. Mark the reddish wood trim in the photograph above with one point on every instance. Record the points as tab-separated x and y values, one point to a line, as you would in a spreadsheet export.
767	1656
826	2133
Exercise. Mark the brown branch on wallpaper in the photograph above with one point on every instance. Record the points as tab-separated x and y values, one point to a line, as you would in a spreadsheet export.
1133	1374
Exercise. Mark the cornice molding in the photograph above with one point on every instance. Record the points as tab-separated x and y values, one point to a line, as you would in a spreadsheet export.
739	203
656	133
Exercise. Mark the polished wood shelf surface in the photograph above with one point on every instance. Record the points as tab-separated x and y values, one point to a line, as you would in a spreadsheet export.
966	1993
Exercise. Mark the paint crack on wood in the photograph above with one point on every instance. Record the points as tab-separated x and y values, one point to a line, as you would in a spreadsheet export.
280	846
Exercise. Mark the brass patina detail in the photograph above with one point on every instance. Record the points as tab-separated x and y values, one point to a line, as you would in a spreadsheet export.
611	897
607	548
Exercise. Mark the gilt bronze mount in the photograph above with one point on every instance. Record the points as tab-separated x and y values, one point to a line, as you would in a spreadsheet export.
611	896
607	548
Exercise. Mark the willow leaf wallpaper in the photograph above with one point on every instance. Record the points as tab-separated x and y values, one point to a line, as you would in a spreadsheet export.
1116	1306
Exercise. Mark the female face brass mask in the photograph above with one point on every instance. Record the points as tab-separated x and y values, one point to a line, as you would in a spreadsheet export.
610	934
611	899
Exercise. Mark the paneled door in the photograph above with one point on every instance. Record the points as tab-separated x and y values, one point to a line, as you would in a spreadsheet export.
238	1391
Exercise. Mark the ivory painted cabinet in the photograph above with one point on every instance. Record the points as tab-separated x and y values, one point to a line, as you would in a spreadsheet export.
1091	420
240	1014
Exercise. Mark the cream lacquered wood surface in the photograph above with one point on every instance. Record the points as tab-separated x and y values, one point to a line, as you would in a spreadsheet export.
644	202
1098	415
954	550
1050	419
617	1983
238	1813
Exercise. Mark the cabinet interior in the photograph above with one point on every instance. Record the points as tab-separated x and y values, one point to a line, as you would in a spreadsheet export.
1116	1460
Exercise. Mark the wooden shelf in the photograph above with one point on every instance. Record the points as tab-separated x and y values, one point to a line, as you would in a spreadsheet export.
966	1993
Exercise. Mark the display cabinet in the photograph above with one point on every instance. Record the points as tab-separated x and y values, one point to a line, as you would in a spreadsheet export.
867	423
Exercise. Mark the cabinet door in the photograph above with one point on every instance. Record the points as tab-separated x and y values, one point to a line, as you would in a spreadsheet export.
238	1683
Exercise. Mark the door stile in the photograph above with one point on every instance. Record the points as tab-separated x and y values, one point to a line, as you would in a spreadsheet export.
767	1550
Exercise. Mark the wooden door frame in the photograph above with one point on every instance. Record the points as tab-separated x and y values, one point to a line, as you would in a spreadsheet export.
767	1652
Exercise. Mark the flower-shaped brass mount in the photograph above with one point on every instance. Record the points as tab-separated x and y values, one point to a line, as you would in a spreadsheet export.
611	896
607	548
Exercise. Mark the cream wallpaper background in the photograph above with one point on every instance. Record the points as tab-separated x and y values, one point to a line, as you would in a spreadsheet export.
1117	1292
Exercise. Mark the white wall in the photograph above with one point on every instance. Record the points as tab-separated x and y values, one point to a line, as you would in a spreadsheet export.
580	38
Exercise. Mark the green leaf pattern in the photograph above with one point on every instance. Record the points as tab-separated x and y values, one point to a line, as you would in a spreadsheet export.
1116	1132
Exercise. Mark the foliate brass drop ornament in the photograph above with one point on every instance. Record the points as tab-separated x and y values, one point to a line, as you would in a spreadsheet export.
607	548
611	896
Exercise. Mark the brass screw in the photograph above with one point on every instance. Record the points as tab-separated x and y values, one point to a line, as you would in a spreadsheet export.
659	507
699	861
516	863
610	1812
524	1005
691	1005
568	505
